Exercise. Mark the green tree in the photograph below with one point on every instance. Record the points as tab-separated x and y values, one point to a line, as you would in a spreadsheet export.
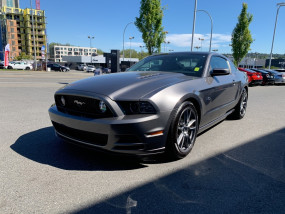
133	55
241	36
149	24
100	52
23	55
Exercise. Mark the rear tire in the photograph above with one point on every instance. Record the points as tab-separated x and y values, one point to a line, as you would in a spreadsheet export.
183	132
28	68
240	108
10	67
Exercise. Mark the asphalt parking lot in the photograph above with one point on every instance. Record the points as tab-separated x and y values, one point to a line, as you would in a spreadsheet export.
235	167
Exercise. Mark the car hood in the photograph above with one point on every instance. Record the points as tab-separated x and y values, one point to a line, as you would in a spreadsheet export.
127	85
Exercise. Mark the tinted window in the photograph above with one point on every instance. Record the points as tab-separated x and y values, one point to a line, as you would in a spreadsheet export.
188	64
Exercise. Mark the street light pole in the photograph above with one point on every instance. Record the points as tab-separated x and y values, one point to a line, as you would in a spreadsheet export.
167	43
201	39
141	46
211	27
35	51
194	21
279	5
91	37
132	37
197	47
124	40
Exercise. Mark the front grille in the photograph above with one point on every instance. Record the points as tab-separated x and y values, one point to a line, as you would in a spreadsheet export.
84	136
81	106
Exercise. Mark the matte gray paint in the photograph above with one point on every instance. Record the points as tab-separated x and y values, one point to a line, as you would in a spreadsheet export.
216	97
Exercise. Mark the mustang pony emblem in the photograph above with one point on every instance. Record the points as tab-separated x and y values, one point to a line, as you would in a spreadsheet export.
79	103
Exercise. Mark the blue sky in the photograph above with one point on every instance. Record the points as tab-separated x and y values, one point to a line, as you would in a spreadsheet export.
71	21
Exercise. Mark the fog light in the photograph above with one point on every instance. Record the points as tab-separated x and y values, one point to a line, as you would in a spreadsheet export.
102	106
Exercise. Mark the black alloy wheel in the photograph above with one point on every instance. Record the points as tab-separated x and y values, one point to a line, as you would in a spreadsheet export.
240	108
183	131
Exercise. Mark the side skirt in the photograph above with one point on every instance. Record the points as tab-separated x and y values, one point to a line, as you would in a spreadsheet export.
219	119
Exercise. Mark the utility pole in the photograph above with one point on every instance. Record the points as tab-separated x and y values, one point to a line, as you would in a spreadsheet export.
132	37
194	21
91	37
34	38
278	5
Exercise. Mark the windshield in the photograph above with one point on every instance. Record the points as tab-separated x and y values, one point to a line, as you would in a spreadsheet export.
186	63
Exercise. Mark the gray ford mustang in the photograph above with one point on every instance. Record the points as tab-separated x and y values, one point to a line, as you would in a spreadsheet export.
159	105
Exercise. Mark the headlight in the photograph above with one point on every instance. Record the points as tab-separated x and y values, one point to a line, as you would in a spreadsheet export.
140	107
102	106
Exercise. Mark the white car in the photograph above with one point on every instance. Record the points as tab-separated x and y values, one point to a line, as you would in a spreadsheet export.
90	68
82	67
20	65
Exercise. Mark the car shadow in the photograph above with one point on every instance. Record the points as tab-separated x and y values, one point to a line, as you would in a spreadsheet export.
249	178
44	147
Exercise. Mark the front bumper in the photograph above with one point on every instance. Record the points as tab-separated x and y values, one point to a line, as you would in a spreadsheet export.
123	134
268	82
280	81
256	82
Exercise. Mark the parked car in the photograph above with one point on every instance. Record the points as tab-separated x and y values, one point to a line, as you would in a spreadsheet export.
279	77
280	70
254	78
20	65
90	68
106	70
159	105
58	67
2	66
98	71
268	79
82	67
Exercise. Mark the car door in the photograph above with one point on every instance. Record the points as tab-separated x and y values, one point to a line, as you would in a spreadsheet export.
17	65
55	67
219	95
22	65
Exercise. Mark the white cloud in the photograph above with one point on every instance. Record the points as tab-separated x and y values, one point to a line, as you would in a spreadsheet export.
184	40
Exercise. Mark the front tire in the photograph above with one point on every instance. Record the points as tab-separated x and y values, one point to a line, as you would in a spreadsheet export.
240	108
183	131
27	68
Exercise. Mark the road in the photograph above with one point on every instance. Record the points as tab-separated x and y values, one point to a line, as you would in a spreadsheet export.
235	167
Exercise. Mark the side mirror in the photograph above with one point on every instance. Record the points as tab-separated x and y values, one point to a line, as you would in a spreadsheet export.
220	72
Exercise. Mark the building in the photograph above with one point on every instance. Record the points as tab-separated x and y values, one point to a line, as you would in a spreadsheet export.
9	3
16	30
278	63
248	62
58	52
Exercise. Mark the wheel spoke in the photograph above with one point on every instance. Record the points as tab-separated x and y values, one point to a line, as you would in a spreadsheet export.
191	122
180	139
185	143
